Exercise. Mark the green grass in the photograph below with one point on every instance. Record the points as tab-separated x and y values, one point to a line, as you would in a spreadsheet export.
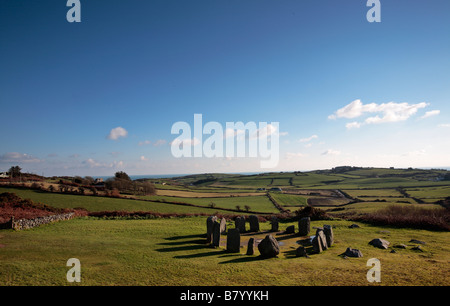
256	203
289	199
93	204
171	252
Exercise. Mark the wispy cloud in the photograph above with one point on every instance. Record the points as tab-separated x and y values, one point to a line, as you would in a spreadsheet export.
388	112
308	139
16	157
185	142
431	113
143	158
145	142
331	152
117	133
159	142
444	125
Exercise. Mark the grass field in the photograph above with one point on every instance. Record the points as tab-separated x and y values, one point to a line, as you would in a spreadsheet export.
172	252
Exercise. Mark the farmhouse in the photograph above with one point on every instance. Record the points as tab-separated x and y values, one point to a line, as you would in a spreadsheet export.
4	175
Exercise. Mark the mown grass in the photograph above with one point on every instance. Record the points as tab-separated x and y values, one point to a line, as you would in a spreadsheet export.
290	199
172	252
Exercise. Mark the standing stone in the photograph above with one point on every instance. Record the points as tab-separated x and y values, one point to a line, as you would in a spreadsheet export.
209	228
319	241
233	240
240	224
329	235
250	246
223	226
269	247
274	224
254	223
216	234
304	226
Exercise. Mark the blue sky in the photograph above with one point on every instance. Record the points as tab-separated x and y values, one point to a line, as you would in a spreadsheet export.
344	91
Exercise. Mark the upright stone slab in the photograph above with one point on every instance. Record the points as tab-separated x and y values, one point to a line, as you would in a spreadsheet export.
323	240
254	223
304	226
240	224
329	235
274	223
216	234
233	240
223	225
251	246
319	241
269	247
209	228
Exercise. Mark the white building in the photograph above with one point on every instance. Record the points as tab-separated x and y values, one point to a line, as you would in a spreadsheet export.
4	175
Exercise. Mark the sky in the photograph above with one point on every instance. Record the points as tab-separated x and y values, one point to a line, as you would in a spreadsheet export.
102	95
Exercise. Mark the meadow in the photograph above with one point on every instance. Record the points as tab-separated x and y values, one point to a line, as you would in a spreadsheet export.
171	250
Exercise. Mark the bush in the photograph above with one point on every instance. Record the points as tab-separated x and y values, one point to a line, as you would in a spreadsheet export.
409	216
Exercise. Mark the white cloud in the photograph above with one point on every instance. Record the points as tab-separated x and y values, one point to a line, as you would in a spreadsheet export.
143	158
291	155
185	142
308	139
159	142
145	142
353	125
445	125
94	164
331	152
430	114
389	112
15	157
117	132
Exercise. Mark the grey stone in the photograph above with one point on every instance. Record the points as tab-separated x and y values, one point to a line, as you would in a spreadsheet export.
216	234
223	225
290	229
329	235
254	223
274	223
301	252
233	240
352	253
240	224
400	246
304	226
379	243
319	241
251	246
354	226
209	228
417	248
417	241
269	247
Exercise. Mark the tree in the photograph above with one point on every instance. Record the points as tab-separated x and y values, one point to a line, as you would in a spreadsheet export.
14	171
122	175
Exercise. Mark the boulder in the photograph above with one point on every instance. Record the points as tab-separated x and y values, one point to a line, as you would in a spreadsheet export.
319	242
233	240
379	243
354	226
254	223
417	241
304	226
209	228
269	247
300	252
251	246
329	235
352	253
239	223
290	229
